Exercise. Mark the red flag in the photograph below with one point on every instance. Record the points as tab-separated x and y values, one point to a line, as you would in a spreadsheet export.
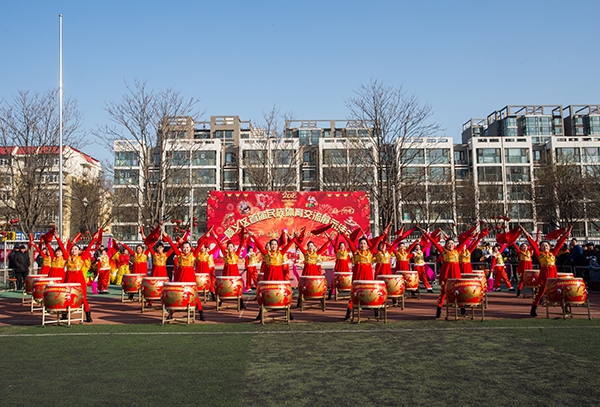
355	234
466	234
47	237
555	234
512	235
152	237
320	229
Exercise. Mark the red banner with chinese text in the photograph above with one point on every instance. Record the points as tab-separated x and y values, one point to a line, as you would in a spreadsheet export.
266	214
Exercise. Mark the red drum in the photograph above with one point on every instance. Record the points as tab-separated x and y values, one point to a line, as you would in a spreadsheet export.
132	283
274	294
179	296
29	281
312	287
369	293
152	287
203	281
229	286
394	284
411	279
566	275
60	297
40	283
571	290
531	278
342	281
465	291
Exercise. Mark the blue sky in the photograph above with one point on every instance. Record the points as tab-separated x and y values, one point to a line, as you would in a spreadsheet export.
464	58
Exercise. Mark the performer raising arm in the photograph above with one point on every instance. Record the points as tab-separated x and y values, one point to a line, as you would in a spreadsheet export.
547	259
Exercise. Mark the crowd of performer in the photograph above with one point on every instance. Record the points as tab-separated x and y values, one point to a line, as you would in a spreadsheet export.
366	257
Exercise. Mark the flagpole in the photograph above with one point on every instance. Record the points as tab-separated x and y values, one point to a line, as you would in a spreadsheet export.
60	130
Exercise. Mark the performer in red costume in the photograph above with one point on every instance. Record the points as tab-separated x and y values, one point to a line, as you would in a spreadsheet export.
185	262
47	261
75	274
524	264
362	259
231	257
273	255
419	266
250	263
547	259
499	268
342	259
450	267
312	258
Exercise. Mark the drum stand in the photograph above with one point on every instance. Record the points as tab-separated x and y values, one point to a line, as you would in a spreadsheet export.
138	293
69	311
34	302
264	309
344	297
412	291
189	318
359	308
144	300
220	300
567	308
456	307
322	300
26	298
399	299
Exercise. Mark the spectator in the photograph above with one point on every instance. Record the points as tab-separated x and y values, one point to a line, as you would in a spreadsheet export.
594	273
576	251
21	265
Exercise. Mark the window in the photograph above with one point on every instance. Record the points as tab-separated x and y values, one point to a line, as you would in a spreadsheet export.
516	155
517	174
309	137
334	157
204	158
491	193
283	157
223	134
126	177
591	155
489	174
254	157
519	192
520	211
413	156
460	158
567	154
178	176
204	176
284	176
462	174
230	176
488	156
360	157
438	156
309	175
180	158
308	157
413	174
438	174
126	159
230	158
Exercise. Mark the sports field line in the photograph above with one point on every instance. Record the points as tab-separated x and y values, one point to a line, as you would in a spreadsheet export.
318	332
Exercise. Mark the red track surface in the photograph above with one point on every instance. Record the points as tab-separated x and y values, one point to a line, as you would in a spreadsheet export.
108	309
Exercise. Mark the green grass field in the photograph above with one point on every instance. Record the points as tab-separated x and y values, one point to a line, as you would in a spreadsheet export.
469	363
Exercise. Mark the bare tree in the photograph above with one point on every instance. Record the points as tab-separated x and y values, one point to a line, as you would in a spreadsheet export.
270	161
560	192
90	205
29	135
398	122
153	135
